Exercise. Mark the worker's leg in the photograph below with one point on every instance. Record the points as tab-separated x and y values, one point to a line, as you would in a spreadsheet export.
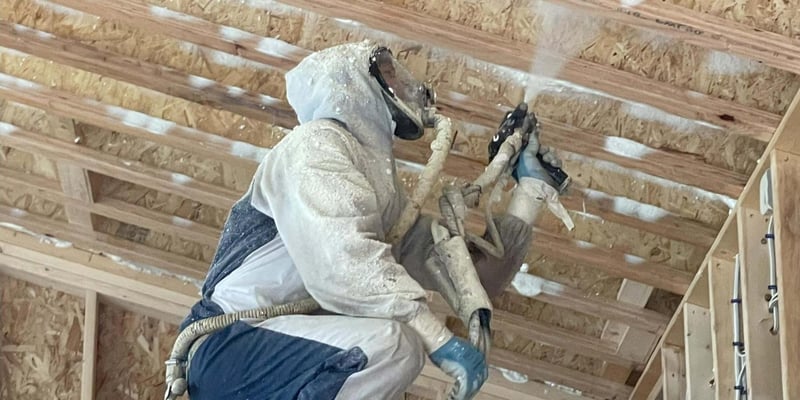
308	357
495	273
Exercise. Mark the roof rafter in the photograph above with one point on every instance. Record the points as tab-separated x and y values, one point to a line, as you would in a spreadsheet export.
701	29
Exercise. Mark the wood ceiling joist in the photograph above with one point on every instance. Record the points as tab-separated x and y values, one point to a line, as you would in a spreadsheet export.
107	164
701	29
676	167
135	252
130	122
112	208
612	262
586	383
562	338
574	299
668	225
201	90
148	75
75	182
496	49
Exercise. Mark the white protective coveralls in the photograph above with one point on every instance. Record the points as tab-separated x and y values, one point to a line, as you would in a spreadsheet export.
314	223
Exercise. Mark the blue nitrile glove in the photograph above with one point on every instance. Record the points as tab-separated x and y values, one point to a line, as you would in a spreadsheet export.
529	166
462	361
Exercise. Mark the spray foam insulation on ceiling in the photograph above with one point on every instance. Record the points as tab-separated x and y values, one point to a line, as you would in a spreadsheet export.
42	342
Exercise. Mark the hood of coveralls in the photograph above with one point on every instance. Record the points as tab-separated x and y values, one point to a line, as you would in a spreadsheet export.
335	83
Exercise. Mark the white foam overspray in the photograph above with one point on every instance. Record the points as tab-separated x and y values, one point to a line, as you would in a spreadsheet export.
279	48
59	9
234	34
564	388
63	244
136	119
629	207
626	147
181	179
58	243
39	34
634	260
151	270
231	61
731	64
7	129
526	284
162	12
198	82
511	375
638	176
182	222
235	91
649	113
248	151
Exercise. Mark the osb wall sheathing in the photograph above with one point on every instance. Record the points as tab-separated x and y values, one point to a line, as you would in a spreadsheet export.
42	342
131	353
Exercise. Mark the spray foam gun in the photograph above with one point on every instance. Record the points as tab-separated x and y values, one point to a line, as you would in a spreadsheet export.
530	126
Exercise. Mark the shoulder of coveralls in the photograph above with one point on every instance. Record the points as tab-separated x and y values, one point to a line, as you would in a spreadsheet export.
317	141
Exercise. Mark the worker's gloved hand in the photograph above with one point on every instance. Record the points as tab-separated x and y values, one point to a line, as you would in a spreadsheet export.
529	165
462	361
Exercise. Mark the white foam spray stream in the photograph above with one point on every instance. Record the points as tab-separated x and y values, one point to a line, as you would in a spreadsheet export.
547	63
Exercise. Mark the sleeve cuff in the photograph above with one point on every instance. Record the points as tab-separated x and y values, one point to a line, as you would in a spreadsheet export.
432	330
526	202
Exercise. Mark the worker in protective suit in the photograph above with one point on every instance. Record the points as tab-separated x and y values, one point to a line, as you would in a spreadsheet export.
314	223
